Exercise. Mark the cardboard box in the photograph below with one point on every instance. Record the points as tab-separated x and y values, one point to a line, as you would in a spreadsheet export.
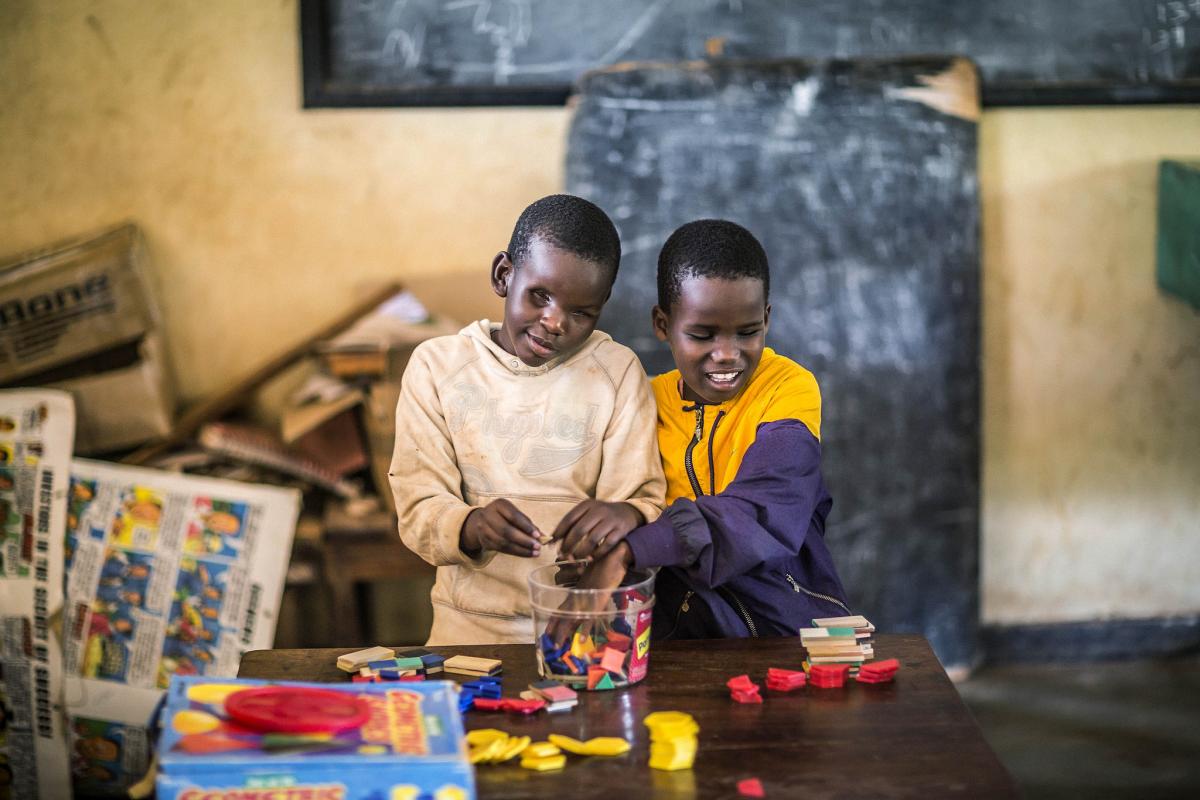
122	407
79	316
412	746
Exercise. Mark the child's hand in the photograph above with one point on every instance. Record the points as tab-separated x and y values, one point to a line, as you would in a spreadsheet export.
593	528
605	573
500	526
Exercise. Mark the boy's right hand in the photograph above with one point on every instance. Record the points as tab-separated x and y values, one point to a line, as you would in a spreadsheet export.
500	526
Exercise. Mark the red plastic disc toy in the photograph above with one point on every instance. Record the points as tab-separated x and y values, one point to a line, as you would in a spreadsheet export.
296	709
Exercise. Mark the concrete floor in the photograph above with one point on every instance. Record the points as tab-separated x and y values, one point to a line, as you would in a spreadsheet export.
1112	730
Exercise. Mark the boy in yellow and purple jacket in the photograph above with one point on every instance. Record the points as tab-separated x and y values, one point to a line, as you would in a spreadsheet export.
741	544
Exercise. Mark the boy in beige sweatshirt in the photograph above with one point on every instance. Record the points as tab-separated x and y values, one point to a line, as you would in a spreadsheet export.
507	434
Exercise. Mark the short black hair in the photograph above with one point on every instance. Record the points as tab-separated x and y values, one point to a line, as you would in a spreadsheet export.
709	248
571	224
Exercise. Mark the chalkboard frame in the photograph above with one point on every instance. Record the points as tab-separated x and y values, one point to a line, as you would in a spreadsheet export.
321	91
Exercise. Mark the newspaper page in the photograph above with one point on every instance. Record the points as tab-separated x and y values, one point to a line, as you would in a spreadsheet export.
167	574
37	432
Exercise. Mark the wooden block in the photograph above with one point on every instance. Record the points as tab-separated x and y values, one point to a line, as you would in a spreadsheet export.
410	663
414	652
856	621
554	691
470	665
353	662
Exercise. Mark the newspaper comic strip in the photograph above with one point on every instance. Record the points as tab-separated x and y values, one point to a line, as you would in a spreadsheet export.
167	575
37	434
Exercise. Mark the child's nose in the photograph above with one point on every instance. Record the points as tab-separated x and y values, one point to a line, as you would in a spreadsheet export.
725	351
553	320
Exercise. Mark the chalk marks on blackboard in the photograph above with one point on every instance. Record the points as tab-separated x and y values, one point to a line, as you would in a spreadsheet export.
415	52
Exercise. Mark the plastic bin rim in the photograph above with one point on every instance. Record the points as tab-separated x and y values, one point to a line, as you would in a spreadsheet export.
534	583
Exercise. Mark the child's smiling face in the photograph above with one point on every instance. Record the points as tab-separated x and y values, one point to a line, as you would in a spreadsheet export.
551	301
716	330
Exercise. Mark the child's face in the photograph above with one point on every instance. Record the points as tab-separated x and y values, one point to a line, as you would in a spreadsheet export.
716	330
551	302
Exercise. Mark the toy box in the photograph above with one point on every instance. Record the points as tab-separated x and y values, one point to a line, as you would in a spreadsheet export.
391	741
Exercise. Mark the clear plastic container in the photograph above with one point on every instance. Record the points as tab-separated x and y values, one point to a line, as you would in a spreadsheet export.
591	638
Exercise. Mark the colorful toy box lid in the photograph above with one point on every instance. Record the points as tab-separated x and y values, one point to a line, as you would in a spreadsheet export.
231	739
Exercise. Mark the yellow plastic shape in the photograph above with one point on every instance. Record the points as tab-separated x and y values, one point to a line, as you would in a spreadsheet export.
567	743
484	736
514	747
450	792
670	756
666	725
541	750
212	693
544	764
582	646
188	721
606	746
668	765
487	752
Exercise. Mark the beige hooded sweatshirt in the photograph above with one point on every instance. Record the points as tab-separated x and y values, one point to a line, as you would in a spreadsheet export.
474	424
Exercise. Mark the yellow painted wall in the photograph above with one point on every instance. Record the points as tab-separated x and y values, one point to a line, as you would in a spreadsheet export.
1091	469
264	220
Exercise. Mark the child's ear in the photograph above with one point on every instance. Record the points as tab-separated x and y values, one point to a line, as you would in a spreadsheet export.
660	323
766	318
502	270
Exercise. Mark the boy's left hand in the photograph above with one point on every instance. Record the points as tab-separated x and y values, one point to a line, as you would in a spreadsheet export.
593	528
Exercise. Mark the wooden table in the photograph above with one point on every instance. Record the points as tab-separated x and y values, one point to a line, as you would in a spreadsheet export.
910	738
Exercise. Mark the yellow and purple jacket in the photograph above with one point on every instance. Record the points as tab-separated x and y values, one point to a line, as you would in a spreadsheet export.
742	540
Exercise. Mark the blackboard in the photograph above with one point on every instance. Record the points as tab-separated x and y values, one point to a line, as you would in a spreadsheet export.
860	180
530	52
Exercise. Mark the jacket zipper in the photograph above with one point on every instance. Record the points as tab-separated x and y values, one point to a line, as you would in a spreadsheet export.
712	488
797	587
683	608
712	437
728	593
687	456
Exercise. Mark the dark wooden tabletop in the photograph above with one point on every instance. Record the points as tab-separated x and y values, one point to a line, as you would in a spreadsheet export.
910	738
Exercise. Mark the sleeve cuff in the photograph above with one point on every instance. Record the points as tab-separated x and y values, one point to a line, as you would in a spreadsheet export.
451	552
656	544
649	509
